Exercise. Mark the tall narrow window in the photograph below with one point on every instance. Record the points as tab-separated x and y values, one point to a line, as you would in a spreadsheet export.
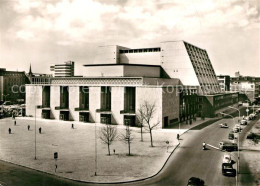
84	98
45	96
64	97
105	98
129	102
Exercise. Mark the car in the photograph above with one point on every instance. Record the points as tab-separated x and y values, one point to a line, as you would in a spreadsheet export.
251	116
193	181
223	125
228	146
253	136
228	170
227	158
231	135
243	122
237	128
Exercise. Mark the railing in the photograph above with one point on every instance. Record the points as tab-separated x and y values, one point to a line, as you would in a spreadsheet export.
81	109
103	110
59	108
127	111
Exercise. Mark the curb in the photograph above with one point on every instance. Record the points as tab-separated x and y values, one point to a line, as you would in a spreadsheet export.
79	181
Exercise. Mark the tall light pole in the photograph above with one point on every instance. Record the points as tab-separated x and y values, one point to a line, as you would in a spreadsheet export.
238	135
5	96
237	144
95	144
237	110
35	134
237	168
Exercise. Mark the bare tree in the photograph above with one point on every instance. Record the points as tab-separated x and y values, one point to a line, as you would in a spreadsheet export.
127	138
108	135
146	113
140	122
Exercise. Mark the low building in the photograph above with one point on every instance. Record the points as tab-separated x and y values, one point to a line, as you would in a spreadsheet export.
12	86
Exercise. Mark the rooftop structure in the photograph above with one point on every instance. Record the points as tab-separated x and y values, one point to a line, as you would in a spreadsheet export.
63	70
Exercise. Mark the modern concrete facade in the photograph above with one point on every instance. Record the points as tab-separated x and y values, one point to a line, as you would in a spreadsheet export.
121	79
63	70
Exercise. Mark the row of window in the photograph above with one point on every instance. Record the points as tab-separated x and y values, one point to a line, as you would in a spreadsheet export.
141	50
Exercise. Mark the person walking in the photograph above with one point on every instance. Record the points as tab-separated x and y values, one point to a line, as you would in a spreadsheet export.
28	127
40	130
14	122
9	130
72	126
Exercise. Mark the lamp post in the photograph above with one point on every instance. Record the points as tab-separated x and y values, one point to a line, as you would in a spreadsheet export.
237	168
237	110
35	133
5	96
95	144
237	143
228	115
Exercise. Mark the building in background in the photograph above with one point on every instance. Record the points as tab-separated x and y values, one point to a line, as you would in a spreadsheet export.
224	82
63	70
247	86
12	86
177	77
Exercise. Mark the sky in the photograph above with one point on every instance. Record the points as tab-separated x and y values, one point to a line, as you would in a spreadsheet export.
45	32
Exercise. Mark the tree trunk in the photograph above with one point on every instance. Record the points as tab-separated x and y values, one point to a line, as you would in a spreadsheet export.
108	148
129	148
141	133
151	136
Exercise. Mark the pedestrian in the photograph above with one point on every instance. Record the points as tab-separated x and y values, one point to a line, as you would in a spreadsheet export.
72	126
9	130
56	166
114	151
204	146
28	127
14	122
178	136
40	130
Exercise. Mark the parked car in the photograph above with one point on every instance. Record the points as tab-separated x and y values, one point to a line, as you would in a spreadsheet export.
193	181
251	116
228	146
237	128
227	158
231	135
243	122
223	125
228	170
253	136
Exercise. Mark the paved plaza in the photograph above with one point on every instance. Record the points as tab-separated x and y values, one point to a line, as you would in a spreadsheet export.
76	150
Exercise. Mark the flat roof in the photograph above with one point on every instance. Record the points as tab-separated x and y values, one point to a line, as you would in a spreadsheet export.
121	64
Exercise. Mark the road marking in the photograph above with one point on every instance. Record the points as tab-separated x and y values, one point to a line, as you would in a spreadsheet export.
213	147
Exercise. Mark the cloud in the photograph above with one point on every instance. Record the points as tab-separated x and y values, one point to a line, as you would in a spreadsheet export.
79	20
79	23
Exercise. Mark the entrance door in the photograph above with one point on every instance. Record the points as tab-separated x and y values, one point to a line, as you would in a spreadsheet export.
166	122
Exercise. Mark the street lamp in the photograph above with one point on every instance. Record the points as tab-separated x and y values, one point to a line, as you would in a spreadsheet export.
237	141
35	133
228	115
95	144
237	168
237	110
5	96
